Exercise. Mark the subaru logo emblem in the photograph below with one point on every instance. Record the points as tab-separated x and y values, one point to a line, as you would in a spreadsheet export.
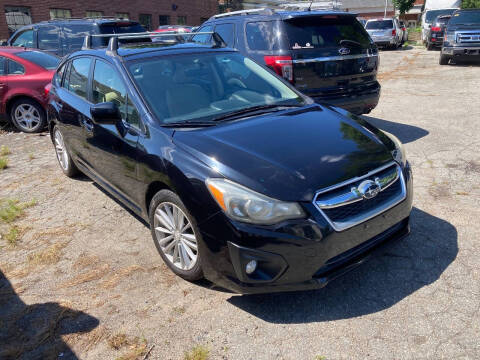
344	51
368	189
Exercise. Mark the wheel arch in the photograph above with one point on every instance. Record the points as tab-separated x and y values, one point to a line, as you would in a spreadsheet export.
152	189
15	98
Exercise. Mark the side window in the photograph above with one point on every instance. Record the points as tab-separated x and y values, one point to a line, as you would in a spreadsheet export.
14	68
57	78
2	65
261	35
24	39
227	32
75	35
48	38
78	77
108	86
203	38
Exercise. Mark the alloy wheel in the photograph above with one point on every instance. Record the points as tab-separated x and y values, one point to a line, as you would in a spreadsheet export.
61	150
27	116
176	236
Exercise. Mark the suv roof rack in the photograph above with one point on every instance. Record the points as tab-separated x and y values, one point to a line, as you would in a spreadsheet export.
112	48
259	11
314	5
90	18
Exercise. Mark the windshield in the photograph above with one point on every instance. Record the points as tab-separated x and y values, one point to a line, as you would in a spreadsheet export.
431	15
465	17
379	25
44	60
311	32
202	87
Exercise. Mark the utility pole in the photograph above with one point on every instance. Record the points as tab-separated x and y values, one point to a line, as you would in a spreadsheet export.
386	4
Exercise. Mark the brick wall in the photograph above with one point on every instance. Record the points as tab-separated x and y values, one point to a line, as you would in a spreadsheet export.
194	10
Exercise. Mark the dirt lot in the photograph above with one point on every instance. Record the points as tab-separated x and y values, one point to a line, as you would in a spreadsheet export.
82	278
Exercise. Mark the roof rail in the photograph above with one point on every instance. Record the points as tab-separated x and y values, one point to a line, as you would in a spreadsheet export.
90	18
112	48
260	11
314	5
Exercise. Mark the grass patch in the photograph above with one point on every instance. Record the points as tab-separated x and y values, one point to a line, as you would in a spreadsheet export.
11	209
117	341
31	156
3	162
48	256
4	150
179	310
137	348
198	352
12	235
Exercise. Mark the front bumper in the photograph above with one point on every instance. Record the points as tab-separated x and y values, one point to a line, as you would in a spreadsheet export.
461	51
296	255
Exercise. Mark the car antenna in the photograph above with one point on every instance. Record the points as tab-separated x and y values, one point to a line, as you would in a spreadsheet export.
310	6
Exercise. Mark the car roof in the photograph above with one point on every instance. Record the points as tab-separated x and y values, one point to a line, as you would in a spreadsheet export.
87	21
136	51
14	49
279	14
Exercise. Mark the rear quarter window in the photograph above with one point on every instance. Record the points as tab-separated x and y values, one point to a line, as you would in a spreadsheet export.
263	35
379	25
44	60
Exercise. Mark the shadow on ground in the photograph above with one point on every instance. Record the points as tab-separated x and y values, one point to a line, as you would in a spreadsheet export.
34	331
406	267
406	133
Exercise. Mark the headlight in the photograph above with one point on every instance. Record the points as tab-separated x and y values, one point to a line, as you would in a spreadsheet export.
399	152
450	37
243	204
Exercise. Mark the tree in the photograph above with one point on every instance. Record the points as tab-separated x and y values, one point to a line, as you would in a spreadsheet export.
471	4
403	5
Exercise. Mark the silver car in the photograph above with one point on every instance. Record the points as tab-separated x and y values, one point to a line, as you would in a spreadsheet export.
385	32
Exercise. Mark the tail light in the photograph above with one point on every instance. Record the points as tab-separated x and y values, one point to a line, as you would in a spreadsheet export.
282	65
436	28
394	32
47	88
404	28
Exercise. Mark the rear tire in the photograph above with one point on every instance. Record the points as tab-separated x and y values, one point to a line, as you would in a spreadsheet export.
28	116
64	159
444	59
176	235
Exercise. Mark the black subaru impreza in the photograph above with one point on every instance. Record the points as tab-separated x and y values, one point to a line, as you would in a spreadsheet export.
243	180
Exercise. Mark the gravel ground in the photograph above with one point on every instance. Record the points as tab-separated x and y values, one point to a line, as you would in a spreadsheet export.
86	281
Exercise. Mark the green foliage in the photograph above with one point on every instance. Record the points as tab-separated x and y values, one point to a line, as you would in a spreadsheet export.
471	4
198	352
403	5
3	162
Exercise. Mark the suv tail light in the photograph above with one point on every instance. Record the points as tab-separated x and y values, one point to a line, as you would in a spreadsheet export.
436	28
394	32
47	88
282	65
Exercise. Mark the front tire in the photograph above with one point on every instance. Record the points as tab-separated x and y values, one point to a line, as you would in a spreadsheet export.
176	235
444	59
64	159
28	116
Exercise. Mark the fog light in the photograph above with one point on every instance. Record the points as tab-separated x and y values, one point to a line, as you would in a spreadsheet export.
251	266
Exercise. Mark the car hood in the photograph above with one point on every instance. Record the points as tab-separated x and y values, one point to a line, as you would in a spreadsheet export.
461	27
289	155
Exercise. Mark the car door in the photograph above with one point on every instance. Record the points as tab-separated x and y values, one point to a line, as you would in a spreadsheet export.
3	81
113	147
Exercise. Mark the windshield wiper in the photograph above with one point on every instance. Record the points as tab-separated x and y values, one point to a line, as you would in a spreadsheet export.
237	113
351	42
189	124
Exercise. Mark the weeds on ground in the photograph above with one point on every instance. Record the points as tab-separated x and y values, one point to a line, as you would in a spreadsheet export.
4	150
3	162
48	256
117	341
12	235
11	209
31	156
137	347
198	352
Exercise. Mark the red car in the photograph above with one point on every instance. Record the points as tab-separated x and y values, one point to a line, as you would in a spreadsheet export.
24	73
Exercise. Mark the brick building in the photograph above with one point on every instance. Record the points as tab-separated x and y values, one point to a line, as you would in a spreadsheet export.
151	13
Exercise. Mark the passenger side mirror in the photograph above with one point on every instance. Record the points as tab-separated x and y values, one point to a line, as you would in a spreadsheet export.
105	113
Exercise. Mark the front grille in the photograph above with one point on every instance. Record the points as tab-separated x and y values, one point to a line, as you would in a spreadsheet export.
468	37
344	205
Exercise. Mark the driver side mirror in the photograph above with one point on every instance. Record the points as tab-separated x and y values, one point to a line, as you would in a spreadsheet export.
105	113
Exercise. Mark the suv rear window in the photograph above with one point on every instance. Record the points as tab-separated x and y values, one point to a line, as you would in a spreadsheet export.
44	60
379	25
263	35
324	31
123	27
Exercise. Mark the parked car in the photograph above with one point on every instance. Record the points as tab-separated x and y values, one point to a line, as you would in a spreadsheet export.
63	36
404	32
436	32
385	32
23	76
244	180
327	55
434	9
462	37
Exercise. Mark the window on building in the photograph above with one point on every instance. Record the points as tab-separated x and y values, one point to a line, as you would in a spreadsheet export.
78	78
146	21
94	14
17	16
48	38
181	20
14	68
122	15
60	14
164	20
25	38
